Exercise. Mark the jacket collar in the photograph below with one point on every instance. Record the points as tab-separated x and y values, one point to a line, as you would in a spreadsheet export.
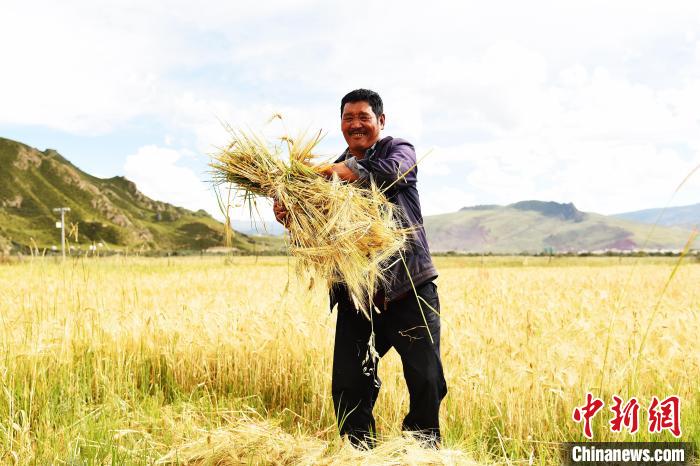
368	153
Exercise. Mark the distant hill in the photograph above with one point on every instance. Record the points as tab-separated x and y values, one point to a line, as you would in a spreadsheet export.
265	228
684	216
536	226
111	211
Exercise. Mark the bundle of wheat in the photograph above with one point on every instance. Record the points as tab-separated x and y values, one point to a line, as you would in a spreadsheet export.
339	231
252	441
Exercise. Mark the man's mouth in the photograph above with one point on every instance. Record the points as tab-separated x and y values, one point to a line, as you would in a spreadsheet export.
358	134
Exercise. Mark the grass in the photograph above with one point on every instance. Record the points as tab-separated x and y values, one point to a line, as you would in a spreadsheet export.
133	360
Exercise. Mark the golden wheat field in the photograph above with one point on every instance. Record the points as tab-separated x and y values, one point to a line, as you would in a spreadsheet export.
228	360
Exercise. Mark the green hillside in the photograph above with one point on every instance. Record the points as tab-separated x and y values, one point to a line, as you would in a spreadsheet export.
535	226
111	211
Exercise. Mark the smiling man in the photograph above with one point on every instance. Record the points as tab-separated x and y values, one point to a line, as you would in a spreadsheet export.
407	308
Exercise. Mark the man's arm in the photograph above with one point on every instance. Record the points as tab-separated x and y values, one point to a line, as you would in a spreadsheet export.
397	167
398	164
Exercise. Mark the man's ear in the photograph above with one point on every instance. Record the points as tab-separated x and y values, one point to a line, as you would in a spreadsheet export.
381	121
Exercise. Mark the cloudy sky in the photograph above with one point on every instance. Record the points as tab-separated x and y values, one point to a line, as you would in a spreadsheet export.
591	102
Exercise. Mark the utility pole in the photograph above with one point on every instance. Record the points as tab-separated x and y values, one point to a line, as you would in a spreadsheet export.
63	211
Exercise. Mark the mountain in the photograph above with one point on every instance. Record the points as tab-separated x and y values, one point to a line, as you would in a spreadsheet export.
536	226
684	216
111	211
265	227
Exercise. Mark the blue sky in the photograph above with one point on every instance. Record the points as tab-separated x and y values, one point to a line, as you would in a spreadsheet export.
589	102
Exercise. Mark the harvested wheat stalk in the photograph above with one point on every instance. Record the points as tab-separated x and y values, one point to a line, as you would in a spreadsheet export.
338	231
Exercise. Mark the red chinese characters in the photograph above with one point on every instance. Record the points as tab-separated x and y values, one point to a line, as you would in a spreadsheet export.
586	412
662	415
626	416
665	415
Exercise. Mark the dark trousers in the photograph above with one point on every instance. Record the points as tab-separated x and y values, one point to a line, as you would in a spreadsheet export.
355	382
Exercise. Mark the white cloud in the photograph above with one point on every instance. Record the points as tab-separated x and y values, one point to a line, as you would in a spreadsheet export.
627	176
445	200
157	174
75	75
431	167
540	99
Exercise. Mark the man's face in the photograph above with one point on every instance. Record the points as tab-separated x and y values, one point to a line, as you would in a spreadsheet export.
360	126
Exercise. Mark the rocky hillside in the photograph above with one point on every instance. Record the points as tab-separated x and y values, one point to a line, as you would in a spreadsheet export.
687	216
111	211
536	226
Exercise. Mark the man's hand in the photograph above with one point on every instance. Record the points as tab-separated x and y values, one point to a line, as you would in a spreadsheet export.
281	213
340	169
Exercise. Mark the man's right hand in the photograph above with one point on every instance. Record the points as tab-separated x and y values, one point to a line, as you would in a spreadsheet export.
281	213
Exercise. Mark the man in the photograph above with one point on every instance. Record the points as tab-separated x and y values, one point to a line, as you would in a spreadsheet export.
407	316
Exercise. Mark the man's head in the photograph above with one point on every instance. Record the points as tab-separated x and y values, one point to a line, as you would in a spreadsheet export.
361	119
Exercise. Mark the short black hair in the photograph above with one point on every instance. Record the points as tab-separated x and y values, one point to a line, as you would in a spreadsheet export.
364	95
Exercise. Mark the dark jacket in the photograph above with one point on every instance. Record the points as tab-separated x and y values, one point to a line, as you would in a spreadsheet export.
390	159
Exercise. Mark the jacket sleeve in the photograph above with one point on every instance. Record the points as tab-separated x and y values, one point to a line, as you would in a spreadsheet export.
357	169
399	163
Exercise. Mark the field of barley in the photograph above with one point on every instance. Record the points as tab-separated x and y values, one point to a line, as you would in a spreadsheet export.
228	360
